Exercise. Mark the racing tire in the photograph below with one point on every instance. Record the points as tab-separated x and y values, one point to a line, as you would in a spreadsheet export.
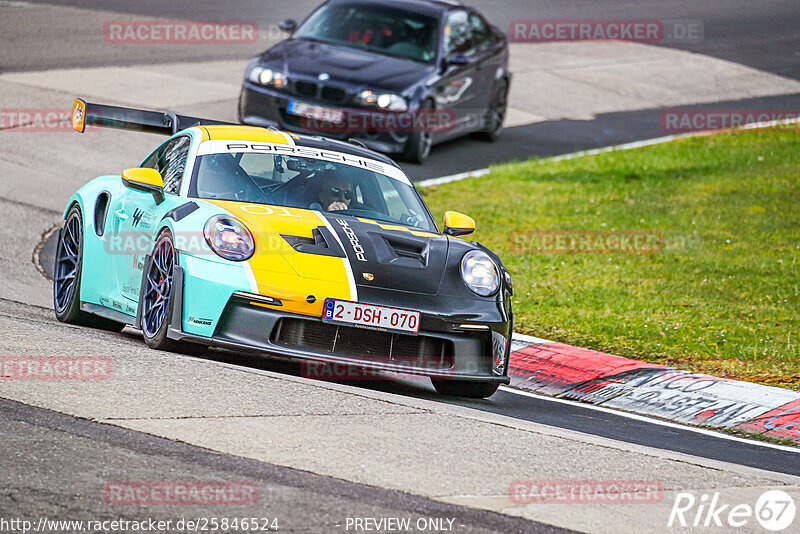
496	113
67	277
157	298
463	388
418	145
157	292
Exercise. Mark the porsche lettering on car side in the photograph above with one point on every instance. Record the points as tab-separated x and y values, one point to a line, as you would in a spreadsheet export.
262	241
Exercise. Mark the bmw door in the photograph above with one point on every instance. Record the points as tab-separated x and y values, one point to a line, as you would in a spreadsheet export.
464	83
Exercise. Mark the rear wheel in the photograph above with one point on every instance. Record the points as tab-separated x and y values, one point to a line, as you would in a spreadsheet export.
462	388
418	145
67	277
496	113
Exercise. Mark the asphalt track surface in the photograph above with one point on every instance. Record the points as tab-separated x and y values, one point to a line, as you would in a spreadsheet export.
573	416
759	34
762	35
95	448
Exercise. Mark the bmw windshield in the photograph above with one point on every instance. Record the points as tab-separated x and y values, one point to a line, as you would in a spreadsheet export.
339	183
374	28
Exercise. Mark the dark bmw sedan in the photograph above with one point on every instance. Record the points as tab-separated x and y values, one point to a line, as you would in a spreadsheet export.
396	75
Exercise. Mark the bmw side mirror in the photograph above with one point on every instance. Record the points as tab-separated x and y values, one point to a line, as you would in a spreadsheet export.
288	26
458	60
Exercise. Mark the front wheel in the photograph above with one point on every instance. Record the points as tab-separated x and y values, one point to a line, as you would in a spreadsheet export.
156	295
158	300
463	388
419	143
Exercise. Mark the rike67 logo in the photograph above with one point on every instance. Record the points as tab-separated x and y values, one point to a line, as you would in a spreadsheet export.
774	510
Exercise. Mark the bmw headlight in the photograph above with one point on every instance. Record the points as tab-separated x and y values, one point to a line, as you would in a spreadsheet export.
387	101
229	238
264	76
479	273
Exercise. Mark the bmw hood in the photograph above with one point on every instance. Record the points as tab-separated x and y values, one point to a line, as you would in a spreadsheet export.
346	66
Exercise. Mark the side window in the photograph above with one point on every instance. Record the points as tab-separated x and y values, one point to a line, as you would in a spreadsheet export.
481	32
152	160
458	34
172	162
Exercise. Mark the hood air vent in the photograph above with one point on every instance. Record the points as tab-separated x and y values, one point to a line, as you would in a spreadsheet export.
408	251
321	242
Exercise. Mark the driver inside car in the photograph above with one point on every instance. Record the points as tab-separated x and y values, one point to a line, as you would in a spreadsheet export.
335	193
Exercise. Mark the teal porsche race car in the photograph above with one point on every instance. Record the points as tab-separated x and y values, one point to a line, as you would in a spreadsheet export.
264	241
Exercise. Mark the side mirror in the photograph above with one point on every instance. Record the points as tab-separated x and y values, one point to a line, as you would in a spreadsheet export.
146	180
458	60
288	26
457	224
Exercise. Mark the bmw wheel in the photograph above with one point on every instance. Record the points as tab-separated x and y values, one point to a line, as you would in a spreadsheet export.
496	114
418	145
67	276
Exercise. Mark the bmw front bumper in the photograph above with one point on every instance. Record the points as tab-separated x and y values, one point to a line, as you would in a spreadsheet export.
260	106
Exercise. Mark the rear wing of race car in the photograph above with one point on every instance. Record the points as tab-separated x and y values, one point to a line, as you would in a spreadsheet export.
140	120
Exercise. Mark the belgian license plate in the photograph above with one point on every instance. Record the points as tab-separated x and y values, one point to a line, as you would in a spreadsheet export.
369	315
315	112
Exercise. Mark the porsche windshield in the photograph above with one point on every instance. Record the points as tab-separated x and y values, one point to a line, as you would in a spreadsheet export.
380	29
308	183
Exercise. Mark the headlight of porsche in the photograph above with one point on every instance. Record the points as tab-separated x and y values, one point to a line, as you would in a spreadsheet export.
387	101
479	273
264	76
229	238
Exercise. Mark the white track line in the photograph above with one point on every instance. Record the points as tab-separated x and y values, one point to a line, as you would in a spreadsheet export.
651	420
521	337
530	339
452	178
594	151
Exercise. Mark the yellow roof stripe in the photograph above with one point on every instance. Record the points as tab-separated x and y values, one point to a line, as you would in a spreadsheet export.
245	133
